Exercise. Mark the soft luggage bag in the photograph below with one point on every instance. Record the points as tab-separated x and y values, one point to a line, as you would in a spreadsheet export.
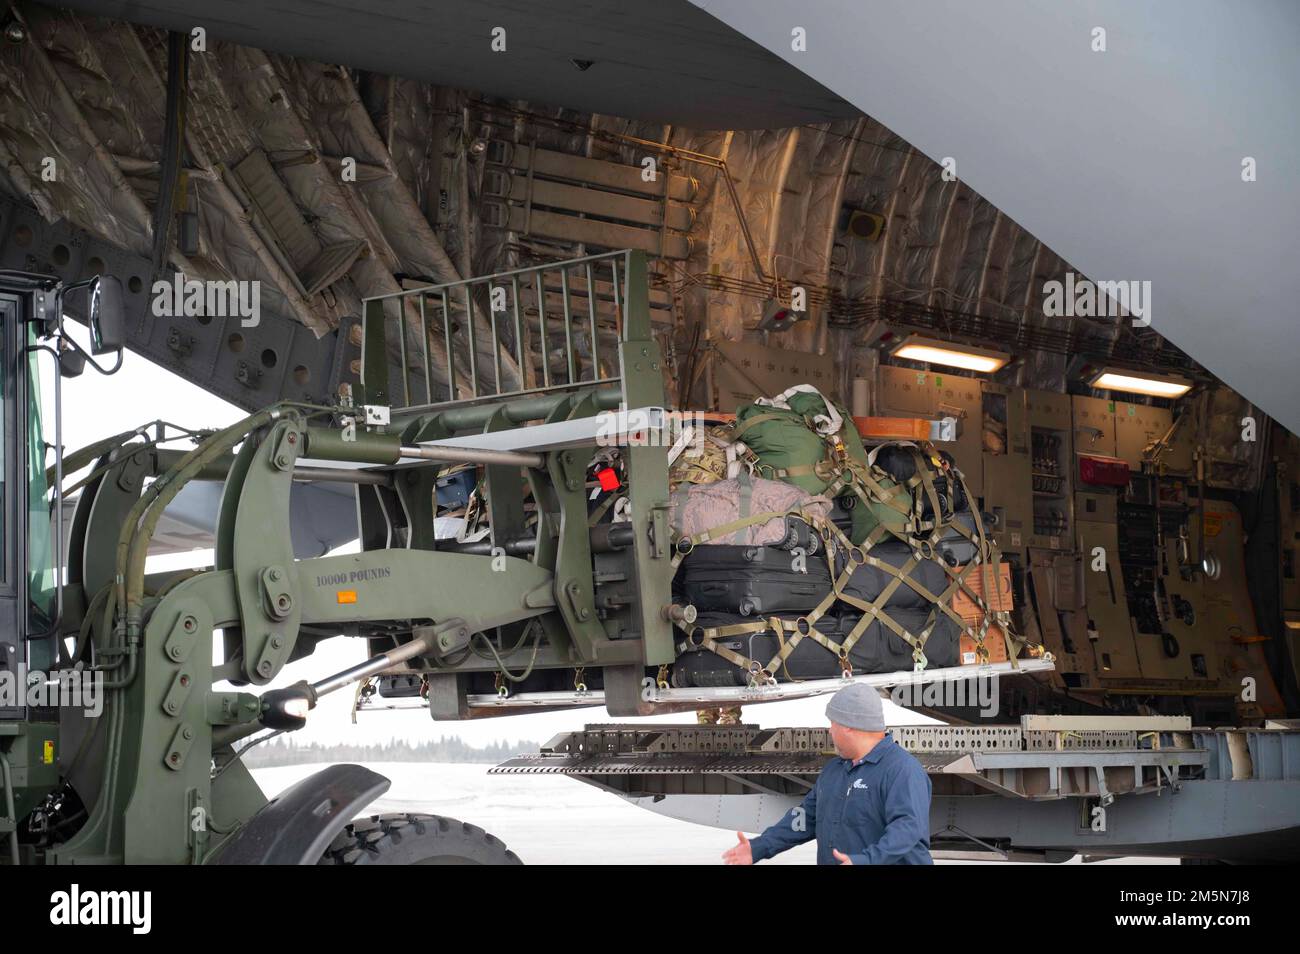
789	435
877	649
749	511
700	667
899	461
868	582
941	647
880	649
753	580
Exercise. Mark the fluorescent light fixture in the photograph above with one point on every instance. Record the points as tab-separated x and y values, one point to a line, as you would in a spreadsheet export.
1113	379
966	357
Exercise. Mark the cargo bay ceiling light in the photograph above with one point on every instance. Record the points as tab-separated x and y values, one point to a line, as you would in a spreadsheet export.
966	357
1156	385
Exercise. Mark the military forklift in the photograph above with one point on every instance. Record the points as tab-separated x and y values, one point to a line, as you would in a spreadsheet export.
155	775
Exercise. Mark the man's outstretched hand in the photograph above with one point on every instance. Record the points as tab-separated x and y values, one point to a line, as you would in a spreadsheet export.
841	857
741	854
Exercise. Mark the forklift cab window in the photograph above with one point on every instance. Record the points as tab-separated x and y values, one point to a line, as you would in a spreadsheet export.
5	316
40	580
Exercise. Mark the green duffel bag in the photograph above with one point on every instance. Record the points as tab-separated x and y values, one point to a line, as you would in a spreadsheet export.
802	438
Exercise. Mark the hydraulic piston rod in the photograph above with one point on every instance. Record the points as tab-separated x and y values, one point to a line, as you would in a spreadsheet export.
386	660
287	708
368	448
473	455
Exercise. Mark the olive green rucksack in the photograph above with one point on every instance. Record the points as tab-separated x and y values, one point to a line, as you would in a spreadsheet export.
802	438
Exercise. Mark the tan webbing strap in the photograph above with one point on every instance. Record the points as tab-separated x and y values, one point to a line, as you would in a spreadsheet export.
600	511
722	530
811	632
707	638
783	653
804	627
749	422
987	555
874	609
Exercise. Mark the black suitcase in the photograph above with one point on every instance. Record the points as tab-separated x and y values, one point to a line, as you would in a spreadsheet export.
701	668
943	647
953	548
868	582
752	581
878	649
900	464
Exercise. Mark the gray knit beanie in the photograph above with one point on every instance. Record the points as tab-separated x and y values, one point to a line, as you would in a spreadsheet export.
857	706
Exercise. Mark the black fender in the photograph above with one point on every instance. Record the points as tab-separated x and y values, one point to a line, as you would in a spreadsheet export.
296	826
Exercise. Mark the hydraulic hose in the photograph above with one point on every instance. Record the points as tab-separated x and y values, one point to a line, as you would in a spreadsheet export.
127	598
133	542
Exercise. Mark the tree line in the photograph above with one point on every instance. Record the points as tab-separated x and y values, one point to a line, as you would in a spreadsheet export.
287	751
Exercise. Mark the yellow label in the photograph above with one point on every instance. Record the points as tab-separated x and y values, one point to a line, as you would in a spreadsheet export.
347	596
1213	524
47	754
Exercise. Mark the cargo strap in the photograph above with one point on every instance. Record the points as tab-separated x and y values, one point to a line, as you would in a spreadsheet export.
684	544
988	554
601	510
985	563
924	458
869	490
750	421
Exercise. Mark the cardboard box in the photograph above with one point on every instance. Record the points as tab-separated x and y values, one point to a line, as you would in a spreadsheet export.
994	641
1001	601
893	428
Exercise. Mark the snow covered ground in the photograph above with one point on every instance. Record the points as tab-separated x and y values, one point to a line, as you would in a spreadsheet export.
548	819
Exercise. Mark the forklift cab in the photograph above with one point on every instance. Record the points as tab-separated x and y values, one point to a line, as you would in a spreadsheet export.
31	322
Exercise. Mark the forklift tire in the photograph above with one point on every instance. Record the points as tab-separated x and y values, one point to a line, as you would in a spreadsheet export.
415	839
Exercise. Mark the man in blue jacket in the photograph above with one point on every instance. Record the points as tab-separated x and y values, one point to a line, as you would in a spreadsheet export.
870	806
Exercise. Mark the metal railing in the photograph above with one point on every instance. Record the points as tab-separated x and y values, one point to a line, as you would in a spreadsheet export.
543	328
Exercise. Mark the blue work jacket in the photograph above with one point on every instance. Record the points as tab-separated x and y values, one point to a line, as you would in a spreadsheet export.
875	810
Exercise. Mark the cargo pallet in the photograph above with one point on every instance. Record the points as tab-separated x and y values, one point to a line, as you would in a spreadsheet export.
1045	789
